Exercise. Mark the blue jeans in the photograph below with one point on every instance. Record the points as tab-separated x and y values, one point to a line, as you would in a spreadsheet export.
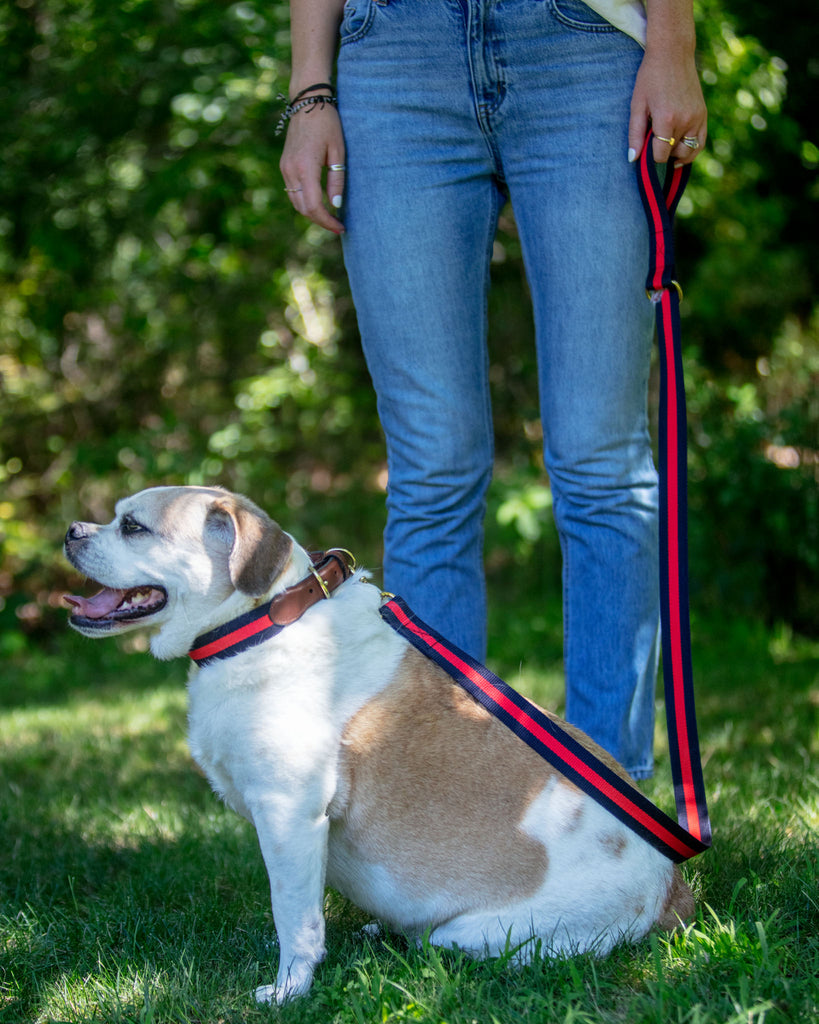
448	108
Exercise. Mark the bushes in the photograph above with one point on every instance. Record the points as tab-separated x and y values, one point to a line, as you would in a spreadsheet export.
164	317
754	485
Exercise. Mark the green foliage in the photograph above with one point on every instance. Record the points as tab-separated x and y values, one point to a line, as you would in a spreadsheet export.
754	484
748	223
164	316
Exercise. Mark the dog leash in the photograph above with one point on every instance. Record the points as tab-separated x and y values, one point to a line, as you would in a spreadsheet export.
691	833
660	203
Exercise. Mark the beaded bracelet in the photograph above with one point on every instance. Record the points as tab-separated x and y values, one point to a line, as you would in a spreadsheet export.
302	100
312	88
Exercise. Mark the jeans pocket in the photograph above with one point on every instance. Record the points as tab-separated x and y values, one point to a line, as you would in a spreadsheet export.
580	16
356	21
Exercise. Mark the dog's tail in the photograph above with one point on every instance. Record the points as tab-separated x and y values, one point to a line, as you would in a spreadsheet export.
679	903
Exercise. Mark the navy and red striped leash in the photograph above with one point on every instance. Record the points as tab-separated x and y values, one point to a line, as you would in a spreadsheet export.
691	833
660	202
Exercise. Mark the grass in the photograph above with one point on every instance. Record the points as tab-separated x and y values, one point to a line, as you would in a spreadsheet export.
128	893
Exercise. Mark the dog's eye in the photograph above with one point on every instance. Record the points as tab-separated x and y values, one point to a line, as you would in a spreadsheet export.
129	526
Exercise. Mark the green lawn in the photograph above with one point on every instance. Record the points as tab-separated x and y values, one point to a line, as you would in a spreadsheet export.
128	893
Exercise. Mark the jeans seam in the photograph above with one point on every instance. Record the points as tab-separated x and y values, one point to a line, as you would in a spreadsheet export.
579	26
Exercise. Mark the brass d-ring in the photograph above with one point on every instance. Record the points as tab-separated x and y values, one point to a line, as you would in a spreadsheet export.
654	296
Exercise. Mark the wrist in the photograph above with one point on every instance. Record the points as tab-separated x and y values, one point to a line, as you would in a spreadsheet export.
308	101
670	27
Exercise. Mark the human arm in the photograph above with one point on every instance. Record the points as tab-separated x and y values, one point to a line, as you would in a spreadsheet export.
667	94
314	138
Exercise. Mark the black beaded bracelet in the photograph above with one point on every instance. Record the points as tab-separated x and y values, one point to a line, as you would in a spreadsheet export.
302	100
312	88
294	108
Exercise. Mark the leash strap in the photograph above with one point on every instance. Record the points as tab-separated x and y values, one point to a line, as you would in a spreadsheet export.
660	203
546	737
691	834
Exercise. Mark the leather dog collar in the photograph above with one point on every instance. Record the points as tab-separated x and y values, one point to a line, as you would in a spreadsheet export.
330	569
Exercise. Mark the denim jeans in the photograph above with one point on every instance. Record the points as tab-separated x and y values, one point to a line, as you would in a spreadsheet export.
449	107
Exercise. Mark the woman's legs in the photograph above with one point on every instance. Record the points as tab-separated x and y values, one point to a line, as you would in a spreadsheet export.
561	131
439	101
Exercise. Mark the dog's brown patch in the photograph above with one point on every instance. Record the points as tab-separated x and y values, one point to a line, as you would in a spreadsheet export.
434	782
575	816
615	844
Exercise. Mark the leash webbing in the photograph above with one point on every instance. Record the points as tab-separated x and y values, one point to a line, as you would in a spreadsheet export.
660	203
691	834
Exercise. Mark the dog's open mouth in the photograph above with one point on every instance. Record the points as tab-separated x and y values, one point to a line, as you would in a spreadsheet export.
111	606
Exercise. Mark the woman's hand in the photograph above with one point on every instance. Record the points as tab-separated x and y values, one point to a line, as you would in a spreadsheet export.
667	94
315	142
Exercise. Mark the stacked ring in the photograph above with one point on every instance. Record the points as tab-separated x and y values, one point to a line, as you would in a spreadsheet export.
691	141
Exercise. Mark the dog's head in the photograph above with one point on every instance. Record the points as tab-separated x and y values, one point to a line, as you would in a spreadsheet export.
180	561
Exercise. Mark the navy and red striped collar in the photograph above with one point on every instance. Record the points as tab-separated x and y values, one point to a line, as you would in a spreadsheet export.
329	570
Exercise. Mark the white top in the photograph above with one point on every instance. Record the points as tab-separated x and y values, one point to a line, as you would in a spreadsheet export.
627	15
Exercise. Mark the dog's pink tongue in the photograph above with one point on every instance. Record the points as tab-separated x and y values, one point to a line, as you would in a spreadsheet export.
96	607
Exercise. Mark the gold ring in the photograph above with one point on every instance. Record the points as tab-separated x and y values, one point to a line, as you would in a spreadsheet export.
691	141
672	141
294	190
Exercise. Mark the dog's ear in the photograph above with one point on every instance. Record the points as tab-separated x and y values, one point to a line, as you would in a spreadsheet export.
259	548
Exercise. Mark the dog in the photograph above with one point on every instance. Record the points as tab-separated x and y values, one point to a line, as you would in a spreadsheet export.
361	764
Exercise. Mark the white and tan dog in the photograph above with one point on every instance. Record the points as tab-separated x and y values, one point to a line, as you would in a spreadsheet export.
360	763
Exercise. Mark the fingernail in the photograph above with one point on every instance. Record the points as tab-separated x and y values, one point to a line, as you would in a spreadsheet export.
337	201
632	155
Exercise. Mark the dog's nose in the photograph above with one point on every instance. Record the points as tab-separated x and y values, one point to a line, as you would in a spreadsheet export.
77	531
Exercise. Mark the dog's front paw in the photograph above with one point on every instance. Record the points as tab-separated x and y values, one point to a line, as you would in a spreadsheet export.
296	982
279	993
268	994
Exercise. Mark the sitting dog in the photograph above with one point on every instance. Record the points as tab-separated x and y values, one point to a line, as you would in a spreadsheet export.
362	764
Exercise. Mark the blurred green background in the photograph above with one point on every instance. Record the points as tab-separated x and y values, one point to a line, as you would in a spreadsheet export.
166	317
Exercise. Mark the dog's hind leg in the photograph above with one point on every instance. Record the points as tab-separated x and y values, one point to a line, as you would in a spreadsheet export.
487	933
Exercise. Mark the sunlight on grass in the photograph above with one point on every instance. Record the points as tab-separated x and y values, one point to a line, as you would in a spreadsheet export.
67	757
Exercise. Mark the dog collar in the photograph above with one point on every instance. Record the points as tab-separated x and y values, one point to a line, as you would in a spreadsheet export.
329	570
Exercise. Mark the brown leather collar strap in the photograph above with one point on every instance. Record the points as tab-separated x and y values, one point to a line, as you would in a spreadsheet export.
330	569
